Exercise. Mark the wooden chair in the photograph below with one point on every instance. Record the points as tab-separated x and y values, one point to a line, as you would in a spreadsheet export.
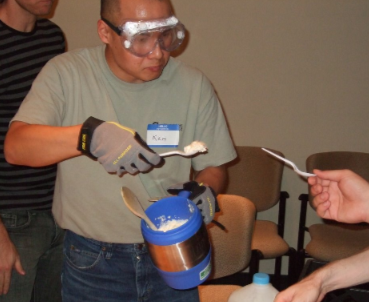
257	176
331	240
231	251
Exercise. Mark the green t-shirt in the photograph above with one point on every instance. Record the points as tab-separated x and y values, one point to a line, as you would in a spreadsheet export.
79	84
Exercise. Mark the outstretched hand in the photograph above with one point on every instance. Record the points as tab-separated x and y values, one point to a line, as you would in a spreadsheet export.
340	195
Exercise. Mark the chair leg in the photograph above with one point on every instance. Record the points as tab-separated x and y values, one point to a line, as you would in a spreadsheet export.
278	267
293	272
294	264
277	272
300	262
256	255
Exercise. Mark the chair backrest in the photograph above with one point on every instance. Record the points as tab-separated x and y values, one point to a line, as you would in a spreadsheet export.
257	176
333	160
231	251
358	162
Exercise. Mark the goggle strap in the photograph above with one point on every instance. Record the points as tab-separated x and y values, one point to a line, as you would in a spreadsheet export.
112	26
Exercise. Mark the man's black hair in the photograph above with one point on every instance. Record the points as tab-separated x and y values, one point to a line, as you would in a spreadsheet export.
108	8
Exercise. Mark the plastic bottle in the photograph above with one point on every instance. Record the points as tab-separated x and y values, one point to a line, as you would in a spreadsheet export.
260	290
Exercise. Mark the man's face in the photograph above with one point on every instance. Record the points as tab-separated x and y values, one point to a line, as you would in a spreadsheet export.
36	7
122	62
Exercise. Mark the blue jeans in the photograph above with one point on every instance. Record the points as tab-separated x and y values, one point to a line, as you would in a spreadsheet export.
39	242
95	271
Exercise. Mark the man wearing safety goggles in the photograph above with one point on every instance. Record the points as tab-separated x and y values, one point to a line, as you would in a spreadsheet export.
104	114
144	45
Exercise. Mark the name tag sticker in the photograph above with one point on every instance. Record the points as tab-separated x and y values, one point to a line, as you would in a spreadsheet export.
163	135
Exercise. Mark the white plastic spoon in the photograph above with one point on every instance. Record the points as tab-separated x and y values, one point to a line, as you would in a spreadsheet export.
297	170
193	148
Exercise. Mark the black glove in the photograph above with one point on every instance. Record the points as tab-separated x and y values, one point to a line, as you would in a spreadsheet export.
203	196
119	149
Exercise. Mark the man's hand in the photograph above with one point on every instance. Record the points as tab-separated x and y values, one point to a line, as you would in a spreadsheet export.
306	290
203	196
340	195
119	149
9	259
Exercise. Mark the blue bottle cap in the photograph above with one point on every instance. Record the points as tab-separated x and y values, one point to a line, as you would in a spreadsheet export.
260	278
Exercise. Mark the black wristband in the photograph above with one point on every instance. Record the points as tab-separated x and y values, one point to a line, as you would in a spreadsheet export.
85	135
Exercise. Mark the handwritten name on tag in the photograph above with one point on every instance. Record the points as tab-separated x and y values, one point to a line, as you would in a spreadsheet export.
163	135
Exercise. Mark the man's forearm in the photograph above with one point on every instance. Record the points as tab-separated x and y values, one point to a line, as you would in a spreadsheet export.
215	177
40	145
343	273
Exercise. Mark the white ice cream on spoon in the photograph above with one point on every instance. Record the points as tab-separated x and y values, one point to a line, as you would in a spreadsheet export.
193	148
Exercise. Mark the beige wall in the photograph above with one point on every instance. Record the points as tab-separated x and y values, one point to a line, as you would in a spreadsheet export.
291	75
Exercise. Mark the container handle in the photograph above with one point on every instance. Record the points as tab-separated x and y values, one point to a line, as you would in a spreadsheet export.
184	194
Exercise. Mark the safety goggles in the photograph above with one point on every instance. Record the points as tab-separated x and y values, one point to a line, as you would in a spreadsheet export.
142	37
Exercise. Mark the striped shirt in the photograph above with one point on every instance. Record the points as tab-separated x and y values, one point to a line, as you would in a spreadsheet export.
22	55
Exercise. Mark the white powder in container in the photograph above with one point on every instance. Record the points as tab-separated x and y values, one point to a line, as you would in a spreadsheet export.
172	224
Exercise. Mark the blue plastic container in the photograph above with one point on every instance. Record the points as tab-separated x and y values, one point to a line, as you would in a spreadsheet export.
182	255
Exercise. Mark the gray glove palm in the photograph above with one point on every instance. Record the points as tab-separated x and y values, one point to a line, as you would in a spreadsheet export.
119	149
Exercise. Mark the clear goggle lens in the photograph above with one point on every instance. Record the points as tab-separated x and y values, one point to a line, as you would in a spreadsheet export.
144	43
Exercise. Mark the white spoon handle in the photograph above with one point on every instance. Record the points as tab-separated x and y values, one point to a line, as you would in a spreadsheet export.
181	153
292	164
